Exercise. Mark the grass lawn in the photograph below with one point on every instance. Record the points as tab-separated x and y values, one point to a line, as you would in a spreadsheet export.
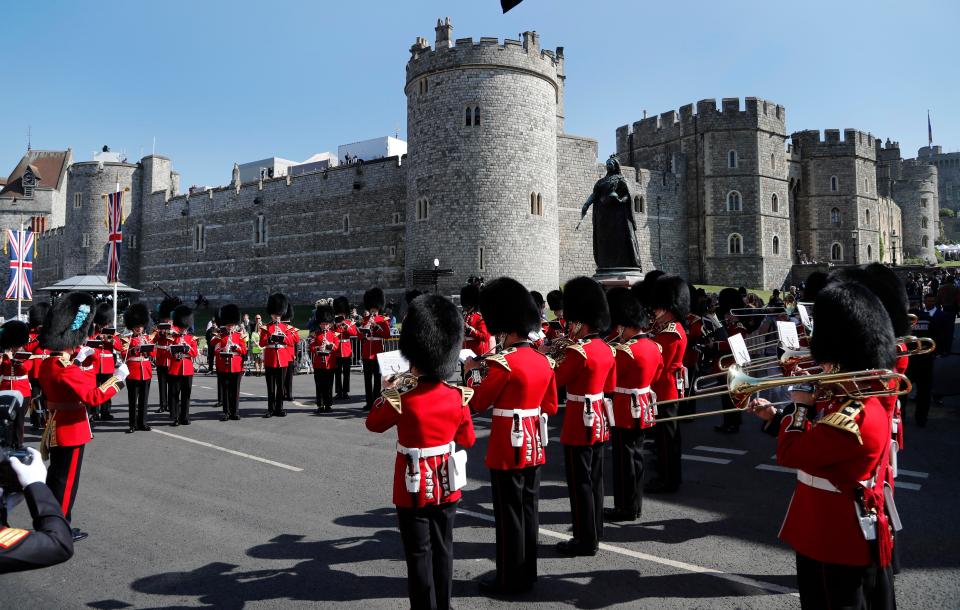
949	264
763	294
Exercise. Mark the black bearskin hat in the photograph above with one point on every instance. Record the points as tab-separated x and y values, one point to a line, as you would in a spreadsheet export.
103	316
812	287
507	307
644	289
410	295
555	300
887	287
341	306
585	302
432	335
670	292
288	314
14	334
851	328
277	304
324	314
374	299
729	298
68	322
537	299
181	316
166	307
229	315
37	313
470	296
625	308
136	315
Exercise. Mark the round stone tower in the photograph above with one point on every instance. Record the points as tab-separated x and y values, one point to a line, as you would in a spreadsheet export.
85	244
482	122
916	194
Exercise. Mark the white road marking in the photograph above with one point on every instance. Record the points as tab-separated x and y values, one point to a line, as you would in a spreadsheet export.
905	485
719	450
247	394
774	468
230	451
913	473
680	565
205	387
709	460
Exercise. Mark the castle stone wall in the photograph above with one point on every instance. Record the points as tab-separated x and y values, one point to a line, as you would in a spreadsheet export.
917	193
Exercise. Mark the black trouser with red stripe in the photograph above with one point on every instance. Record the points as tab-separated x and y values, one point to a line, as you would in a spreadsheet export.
104	409
323	380
274	377
162	374
515	498
627	468
229	384
288	381
63	476
584	470
668	449
179	388
841	587
371	380
341	376
137	393
427	535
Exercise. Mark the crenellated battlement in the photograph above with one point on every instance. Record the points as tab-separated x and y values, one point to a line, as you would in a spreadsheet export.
919	170
733	113
524	54
811	143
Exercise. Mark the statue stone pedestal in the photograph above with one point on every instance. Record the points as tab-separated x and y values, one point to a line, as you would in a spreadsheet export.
611	277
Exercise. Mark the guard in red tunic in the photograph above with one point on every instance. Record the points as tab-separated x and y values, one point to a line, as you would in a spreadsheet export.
276	341
555	328
35	316
324	344
346	330
728	299
841	518
163	340
229	352
518	383
588	370
670	301
16	364
293	353
639	364
432	419
183	349
138	351
70	391
106	345
476	337
373	329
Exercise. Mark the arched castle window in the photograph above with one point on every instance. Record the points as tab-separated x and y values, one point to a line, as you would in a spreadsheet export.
776	245
423	208
735	244
834	184
469	117
638	205
260	230
346	223
836	252
924	241
199	238
734	202
85	240
732	159
476	116
774	203
869	252
480	259
866	185
77	201
773	161
866	217
923	203
923	222
835	216
539	204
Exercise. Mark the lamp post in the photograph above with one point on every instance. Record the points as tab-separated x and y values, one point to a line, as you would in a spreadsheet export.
436	276
856	255
893	246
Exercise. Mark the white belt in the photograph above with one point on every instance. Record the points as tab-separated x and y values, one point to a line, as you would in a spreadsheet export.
587	398
106	354
820	483
138	359
428	452
633	391
13	378
521	412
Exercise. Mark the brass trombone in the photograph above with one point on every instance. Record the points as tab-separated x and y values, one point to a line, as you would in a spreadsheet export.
790	359
741	387
917	346
752	312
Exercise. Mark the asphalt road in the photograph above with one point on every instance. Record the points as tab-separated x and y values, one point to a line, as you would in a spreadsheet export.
295	512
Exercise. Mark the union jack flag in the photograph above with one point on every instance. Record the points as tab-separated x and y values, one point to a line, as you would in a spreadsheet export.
21	265
115	228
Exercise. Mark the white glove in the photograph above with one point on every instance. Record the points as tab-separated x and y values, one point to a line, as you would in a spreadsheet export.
85	352
122	371
34	472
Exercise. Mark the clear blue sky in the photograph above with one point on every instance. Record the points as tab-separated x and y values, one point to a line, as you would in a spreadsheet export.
230	80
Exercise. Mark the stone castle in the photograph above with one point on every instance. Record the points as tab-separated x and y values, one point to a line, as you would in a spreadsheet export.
492	185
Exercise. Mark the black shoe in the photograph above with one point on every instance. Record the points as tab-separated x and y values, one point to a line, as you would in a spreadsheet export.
175	423
268	415
131	430
572	548
234	418
490	586
224	417
107	417
281	413
727	429
186	422
659	487
78	535
616	514
144	428
319	411
329	409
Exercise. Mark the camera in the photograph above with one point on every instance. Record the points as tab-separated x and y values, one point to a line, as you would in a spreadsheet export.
10	404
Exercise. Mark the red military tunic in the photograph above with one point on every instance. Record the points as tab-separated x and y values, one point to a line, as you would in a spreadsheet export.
673	344
69	391
476	337
695	335
105	362
15	374
520	380
639	364
587	371
277	355
228	352
842	448
428	416
345	330
181	364
140	365
371	343
294	334
33	346
324	345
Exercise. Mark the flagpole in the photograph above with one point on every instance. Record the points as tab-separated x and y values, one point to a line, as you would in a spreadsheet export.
20	272
116	279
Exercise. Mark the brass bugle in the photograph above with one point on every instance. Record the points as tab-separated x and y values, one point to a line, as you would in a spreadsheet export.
740	387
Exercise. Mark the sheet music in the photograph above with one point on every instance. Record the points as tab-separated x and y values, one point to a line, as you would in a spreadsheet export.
392	363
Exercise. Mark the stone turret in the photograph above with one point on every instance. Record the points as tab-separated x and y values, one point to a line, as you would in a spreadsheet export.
916	192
